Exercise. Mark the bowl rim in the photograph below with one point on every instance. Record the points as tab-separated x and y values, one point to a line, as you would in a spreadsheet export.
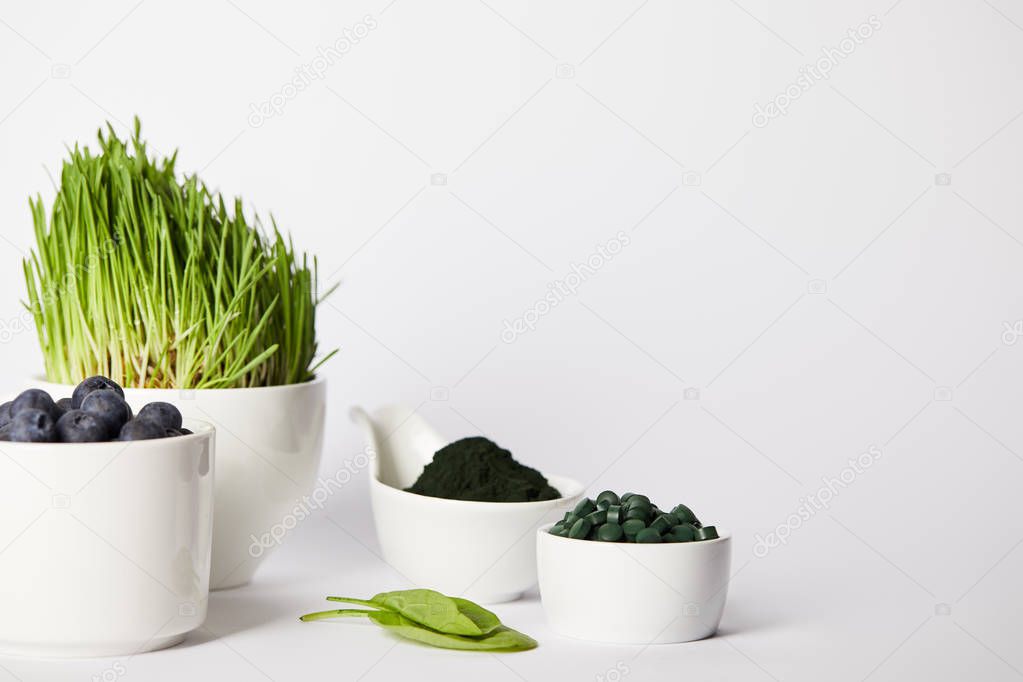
724	535
206	430
480	505
315	381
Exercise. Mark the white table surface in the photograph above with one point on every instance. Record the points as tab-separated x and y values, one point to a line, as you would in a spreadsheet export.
824	606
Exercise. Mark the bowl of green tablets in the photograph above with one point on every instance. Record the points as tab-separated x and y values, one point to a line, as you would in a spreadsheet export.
622	570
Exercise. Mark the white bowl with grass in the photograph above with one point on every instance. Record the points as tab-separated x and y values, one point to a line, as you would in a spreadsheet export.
160	283
106	546
269	445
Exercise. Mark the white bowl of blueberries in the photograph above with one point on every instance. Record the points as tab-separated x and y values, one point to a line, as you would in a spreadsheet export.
95	412
107	523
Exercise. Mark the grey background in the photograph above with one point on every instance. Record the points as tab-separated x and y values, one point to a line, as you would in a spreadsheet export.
845	276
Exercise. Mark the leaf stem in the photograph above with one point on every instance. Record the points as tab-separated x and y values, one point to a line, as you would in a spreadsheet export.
362	602
337	613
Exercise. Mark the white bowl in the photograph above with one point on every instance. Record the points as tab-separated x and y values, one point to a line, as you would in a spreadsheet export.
269	443
629	593
104	547
484	551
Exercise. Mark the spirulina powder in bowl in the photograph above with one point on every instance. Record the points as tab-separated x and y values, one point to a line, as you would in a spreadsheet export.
479	470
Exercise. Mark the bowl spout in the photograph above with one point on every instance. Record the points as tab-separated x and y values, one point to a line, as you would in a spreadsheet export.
403	443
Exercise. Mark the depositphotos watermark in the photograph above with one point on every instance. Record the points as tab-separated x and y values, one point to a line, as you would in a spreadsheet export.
615	674
307	74
111	673
1012	332
25	320
304	508
560	289
811	504
811	74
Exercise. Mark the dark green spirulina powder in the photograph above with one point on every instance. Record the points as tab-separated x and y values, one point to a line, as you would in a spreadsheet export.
478	469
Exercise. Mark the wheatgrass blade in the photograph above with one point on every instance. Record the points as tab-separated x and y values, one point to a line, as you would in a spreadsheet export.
152	281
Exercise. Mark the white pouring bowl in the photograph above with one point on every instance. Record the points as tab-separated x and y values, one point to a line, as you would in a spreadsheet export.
630	593
484	551
105	547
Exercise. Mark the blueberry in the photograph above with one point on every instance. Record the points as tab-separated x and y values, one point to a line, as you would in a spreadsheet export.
96	383
5	432
162	413
78	426
142	429
32	426
34	399
5	413
64	405
108	406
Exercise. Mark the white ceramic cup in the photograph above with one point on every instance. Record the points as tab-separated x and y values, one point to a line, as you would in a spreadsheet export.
629	593
104	547
269	444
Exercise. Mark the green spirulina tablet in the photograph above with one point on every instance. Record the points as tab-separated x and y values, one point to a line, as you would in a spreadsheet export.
606	499
640	499
584	507
648	535
610	532
637	513
683	532
597	518
662	523
614	514
636	509
570	518
707	533
633	526
685	514
557	527
580	529
626	497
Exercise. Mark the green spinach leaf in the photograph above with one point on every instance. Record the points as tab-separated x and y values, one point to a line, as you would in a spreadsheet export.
486	621
429	617
450	615
500	639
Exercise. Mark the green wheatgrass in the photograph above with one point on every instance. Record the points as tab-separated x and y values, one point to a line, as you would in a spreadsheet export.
155	283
